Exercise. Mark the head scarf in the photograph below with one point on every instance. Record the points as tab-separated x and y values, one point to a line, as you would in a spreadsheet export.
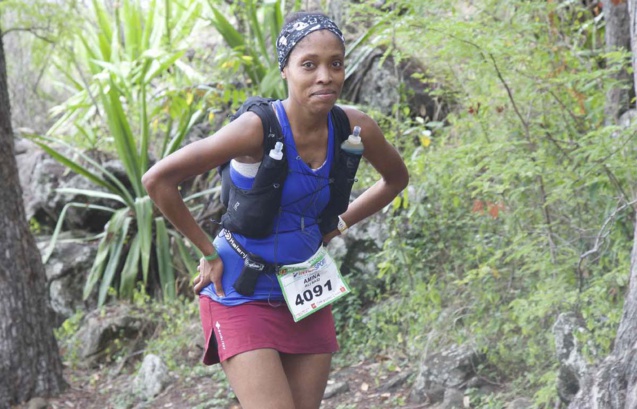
296	30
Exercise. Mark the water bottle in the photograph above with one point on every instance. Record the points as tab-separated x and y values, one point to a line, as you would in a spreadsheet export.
353	143
269	172
277	152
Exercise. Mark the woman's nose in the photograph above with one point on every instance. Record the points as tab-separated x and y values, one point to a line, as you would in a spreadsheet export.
323	74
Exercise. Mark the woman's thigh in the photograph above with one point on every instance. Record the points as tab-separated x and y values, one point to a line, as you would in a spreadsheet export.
307	376
259	380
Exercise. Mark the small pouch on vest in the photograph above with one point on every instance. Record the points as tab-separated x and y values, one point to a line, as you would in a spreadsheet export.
252	212
253	265
340	189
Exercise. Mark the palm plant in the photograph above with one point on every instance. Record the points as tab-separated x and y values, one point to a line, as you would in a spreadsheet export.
120	58
254	41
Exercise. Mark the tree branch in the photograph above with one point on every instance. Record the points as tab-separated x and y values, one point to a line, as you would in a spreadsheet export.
601	236
31	30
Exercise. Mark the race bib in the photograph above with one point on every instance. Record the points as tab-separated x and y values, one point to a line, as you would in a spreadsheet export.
311	285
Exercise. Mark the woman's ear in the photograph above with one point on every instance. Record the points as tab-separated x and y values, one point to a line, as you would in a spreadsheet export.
283	74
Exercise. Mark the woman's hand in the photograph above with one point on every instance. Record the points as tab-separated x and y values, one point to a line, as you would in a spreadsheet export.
209	272
329	236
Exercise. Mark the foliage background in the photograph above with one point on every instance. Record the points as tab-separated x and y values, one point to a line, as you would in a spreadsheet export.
518	205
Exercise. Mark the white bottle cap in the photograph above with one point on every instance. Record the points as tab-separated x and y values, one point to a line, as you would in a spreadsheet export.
355	138
277	152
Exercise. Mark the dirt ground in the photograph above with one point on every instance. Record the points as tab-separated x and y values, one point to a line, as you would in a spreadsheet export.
364	385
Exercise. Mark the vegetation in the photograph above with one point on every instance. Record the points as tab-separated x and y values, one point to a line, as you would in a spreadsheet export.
519	206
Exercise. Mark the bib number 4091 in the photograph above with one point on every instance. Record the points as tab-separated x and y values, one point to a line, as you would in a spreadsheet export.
317	291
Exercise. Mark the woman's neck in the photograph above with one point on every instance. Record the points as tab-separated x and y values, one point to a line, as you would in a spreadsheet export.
297	115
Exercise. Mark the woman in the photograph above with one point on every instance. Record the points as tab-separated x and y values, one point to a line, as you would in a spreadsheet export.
270	360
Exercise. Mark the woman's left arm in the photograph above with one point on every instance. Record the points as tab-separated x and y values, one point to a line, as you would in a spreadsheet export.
386	160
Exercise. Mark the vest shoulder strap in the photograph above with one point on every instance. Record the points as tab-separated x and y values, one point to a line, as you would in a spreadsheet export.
341	124
263	108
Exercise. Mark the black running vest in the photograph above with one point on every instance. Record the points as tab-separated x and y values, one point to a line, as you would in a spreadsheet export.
252	212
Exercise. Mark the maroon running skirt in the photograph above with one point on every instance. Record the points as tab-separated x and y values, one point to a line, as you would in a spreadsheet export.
254	325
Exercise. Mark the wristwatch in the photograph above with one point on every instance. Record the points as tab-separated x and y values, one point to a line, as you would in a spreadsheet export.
342	226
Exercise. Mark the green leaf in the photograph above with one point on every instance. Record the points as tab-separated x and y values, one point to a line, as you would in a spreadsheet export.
144	216
58	226
123	137
130	269
115	250
231	36
91	193
76	167
190	260
164	259
175	143
112	229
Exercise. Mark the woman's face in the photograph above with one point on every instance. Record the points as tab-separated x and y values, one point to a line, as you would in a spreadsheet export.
315	71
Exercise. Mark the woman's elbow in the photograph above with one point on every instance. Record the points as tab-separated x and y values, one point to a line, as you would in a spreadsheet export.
149	180
401	181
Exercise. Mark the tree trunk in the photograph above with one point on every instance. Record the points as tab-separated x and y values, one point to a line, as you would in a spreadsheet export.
30	364
613	384
617	37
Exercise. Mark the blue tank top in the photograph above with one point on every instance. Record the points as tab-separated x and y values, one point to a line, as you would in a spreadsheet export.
295	236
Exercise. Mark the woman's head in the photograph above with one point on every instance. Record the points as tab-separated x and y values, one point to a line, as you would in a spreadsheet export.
311	54
298	26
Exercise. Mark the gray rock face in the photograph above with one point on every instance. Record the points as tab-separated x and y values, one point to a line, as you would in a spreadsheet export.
520	403
627	118
153	377
335	388
573	366
446	370
37	403
66	272
454	399
377	83
355	251
41	175
106	331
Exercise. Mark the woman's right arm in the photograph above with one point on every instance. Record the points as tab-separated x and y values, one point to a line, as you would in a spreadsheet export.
242	137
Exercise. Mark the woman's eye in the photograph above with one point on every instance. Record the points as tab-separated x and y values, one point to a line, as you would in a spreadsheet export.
307	64
337	64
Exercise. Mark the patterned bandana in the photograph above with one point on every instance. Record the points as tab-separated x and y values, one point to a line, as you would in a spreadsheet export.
296	30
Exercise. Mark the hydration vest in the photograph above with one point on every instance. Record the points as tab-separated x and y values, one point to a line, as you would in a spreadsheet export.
252	212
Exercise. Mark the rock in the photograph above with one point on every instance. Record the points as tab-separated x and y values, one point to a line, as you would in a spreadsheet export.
108	330
395	382
627	118
450	368
377	85
41	175
520	403
153	377
37	403
335	388
83	218
573	366
66	273
453	399
435	394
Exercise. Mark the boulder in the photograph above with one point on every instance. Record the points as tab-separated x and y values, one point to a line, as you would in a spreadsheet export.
573	366
378	83
153	377
66	273
41	176
110	330
449	369
520	403
335	388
